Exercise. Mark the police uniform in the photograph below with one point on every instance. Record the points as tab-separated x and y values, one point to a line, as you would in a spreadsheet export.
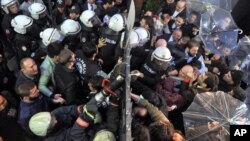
88	35
25	45
44	23
6	25
111	52
152	75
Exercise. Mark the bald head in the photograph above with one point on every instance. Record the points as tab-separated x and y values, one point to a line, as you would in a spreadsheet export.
28	67
186	71
161	42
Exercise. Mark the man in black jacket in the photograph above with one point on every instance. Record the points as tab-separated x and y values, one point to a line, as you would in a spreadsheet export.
67	81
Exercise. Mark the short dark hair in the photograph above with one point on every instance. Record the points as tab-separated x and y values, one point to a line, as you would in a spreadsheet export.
65	56
191	43
195	63
107	1
161	131
149	20
141	133
96	82
54	49
23	89
89	49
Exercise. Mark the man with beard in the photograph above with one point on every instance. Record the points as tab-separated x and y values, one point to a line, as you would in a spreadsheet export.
25	40
38	13
155	67
32	102
192	55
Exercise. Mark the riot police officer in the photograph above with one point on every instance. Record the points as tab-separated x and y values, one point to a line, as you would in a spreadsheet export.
24	42
39	14
11	9
155	67
72	31
90	24
111	52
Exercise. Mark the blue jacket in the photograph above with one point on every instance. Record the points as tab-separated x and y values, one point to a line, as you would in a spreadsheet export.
27	110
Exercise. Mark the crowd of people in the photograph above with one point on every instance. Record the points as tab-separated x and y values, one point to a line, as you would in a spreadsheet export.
62	70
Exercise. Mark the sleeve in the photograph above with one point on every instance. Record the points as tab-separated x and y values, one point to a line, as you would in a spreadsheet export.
154	112
66	110
151	81
43	81
203	66
70	92
74	133
77	133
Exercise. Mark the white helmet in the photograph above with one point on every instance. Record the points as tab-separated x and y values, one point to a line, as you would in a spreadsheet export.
104	135
51	35
144	35
89	18
6	3
39	123
162	54
36	9
117	22
70	27
20	23
133	39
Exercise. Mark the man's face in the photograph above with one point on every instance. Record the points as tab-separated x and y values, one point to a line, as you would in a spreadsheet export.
180	5
13	8
225	23
30	68
170	1
73	16
179	21
34	94
226	51
215	57
143	23
228	78
166	18
177	35
193	51
3	103
118	1
186	72
42	15
91	1
68	2
192	18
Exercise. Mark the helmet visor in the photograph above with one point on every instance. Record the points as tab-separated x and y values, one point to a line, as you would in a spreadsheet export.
95	21
57	36
160	65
